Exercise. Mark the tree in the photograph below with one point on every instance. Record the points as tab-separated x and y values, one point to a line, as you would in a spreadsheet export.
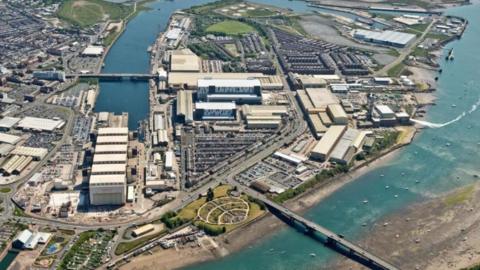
210	194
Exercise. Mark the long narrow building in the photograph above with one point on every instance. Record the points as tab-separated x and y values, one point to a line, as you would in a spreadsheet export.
108	181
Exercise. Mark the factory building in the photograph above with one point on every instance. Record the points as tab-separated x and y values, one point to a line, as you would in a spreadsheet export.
93	51
34	152
389	38
7	123
189	80
263	116
215	110
40	124
382	115
107	184
337	114
184	61
324	147
9	139
49	75
185	106
344	150
246	91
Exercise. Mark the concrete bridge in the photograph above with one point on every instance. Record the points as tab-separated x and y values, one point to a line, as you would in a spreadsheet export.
115	76
329	238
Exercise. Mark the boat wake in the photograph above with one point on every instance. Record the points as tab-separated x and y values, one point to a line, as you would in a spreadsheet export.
440	125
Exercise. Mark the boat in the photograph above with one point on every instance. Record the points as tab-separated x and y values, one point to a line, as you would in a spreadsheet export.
365	201
450	56
387	187
417	181
313	255
448	144
396	196
454	105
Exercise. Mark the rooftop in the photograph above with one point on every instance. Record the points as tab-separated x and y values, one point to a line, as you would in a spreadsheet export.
37	123
228	83
215	105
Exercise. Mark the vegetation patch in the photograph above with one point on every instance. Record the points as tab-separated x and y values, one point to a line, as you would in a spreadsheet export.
230	27
460	196
124	247
5	190
85	13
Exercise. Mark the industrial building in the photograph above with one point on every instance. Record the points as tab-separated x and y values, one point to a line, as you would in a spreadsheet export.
50	75
29	240
184	61
189	80
34	152
383	115
215	110
10	139
185	106
263	116
40	124
247	91
8	123
143	230
344	151
107	184
337	114
389	38
324	147
93	51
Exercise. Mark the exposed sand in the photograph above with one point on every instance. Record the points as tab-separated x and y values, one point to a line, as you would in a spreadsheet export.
442	233
250	233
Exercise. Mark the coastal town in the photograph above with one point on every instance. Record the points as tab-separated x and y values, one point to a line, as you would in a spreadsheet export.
254	113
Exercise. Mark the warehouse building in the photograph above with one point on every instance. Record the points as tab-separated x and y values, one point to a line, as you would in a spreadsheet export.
40	124
34	152
383	115
184	61
215	110
189	80
337	114
389	38
247	91
9	139
7	123
143	230
344	151
324	147
93	51
263	116
107	184
185	106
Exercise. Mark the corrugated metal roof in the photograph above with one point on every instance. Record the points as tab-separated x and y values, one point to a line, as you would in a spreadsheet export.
328	141
228	83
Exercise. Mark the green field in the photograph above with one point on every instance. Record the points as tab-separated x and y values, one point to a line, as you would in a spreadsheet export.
85	13
5	190
229	27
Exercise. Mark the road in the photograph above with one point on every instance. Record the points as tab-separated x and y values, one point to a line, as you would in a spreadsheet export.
406	52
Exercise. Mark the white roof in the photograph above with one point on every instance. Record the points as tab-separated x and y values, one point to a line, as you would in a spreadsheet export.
384	109
8	122
30	151
294	159
109	158
43	237
228	83
24	236
37	177
215	105
112	130
111	139
93	50
385	36
40	123
109	168
169	159
111	148
173	33
328	141
7	138
107	179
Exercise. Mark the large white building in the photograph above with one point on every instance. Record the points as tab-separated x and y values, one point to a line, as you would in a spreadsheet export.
215	110
389	38
50	75
108	181
241	91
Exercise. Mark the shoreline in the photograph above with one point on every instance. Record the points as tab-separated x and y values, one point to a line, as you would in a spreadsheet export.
260	229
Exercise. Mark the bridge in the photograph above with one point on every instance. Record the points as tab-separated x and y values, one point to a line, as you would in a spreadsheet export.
330	239
115	76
